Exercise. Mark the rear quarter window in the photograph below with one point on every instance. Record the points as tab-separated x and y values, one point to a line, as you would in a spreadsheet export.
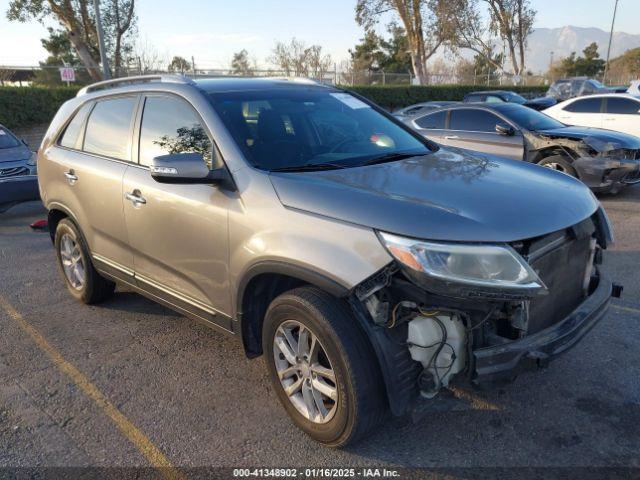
72	135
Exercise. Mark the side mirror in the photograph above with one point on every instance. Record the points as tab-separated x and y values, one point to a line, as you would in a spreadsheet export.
506	130
185	168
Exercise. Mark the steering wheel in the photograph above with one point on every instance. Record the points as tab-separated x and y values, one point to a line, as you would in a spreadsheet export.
341	144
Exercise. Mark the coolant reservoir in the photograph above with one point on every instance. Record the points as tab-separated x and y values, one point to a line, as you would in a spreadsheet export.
425	337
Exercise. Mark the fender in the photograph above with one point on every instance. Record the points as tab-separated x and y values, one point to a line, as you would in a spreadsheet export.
285	268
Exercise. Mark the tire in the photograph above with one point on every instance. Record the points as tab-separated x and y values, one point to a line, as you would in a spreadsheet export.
84	282
341	346
560	164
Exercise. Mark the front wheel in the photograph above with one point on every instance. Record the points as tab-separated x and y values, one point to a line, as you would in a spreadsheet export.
322	367
558	163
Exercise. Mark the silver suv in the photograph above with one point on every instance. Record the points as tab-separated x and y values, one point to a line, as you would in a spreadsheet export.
372	268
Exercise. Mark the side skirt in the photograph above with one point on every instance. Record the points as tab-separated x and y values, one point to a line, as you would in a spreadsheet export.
163	295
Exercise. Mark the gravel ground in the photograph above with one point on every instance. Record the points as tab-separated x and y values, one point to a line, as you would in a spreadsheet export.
201	402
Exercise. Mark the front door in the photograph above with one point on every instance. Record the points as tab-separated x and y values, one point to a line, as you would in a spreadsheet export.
178	233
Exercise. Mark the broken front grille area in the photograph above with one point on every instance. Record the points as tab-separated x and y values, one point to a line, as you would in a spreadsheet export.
563	260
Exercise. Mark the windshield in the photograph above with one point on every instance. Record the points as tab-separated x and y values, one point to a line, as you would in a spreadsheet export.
288	128
530	119
7	140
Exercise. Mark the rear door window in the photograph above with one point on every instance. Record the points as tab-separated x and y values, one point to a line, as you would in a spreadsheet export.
622	106
170	125
72	136
585	105
109	128
473	120
433	120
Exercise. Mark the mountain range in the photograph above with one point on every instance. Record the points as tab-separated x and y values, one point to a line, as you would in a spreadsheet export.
564	40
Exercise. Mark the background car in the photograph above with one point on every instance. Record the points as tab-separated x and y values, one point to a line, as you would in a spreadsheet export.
18	180
499	96
614	111
419	108
566	88
604	160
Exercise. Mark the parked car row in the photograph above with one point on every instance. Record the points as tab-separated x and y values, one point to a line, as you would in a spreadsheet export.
369	262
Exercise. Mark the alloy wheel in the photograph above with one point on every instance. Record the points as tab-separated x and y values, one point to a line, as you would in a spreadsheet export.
305	371
72	262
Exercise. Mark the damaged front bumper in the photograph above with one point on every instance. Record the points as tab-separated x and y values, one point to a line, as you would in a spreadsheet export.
603	174
501	363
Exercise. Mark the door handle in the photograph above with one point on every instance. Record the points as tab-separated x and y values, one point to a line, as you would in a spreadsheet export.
71	176
609	119
451	137
135	198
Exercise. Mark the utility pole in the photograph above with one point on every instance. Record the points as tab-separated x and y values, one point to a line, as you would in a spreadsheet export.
606	65
193	65
103	54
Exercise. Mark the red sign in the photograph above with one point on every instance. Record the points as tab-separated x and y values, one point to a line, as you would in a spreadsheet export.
67	74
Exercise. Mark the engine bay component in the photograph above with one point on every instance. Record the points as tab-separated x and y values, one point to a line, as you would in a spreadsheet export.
438	341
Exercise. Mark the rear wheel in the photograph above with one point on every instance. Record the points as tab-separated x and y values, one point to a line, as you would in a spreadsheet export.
559	163
322	367
81	278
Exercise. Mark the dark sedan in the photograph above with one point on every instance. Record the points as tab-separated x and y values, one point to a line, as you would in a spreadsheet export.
18	177
500	96
604	160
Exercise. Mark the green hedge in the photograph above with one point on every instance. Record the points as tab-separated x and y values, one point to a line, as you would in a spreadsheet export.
392	97
25	106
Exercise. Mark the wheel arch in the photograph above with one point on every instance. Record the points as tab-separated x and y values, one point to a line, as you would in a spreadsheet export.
263	282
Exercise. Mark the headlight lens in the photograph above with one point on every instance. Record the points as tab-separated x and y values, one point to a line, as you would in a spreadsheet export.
32	159
493	266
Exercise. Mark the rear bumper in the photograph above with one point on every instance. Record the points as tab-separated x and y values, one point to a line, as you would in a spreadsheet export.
497	364
18	189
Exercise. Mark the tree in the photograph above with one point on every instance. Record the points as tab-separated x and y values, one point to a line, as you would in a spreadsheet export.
511	21
428	24
76	20
240	64
626	67
589	65
179	64
296	59
61	52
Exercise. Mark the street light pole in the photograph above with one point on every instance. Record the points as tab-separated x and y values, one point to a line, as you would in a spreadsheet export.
103	54
606	65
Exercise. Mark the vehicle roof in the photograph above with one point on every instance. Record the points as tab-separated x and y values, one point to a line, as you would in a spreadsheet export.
600	95
227	84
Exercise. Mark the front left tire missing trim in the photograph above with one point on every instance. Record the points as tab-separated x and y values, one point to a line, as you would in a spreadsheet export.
322	367
74	261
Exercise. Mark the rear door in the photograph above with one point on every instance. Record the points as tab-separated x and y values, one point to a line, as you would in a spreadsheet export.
475	129
583	112
178	233
432	125
622	115
92	156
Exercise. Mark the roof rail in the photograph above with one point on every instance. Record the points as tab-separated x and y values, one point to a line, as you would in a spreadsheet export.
115	82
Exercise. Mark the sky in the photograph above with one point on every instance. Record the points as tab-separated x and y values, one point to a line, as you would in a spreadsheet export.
212	30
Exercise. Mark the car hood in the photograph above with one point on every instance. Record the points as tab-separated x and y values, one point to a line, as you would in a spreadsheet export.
598	138
447	195
14	154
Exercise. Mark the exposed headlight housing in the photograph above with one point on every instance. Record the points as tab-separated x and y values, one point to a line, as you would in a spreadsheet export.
465	270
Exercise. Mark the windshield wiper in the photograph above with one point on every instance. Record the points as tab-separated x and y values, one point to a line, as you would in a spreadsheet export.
310	167
391	157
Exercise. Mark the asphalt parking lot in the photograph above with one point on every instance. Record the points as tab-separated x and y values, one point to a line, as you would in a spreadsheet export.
128	381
